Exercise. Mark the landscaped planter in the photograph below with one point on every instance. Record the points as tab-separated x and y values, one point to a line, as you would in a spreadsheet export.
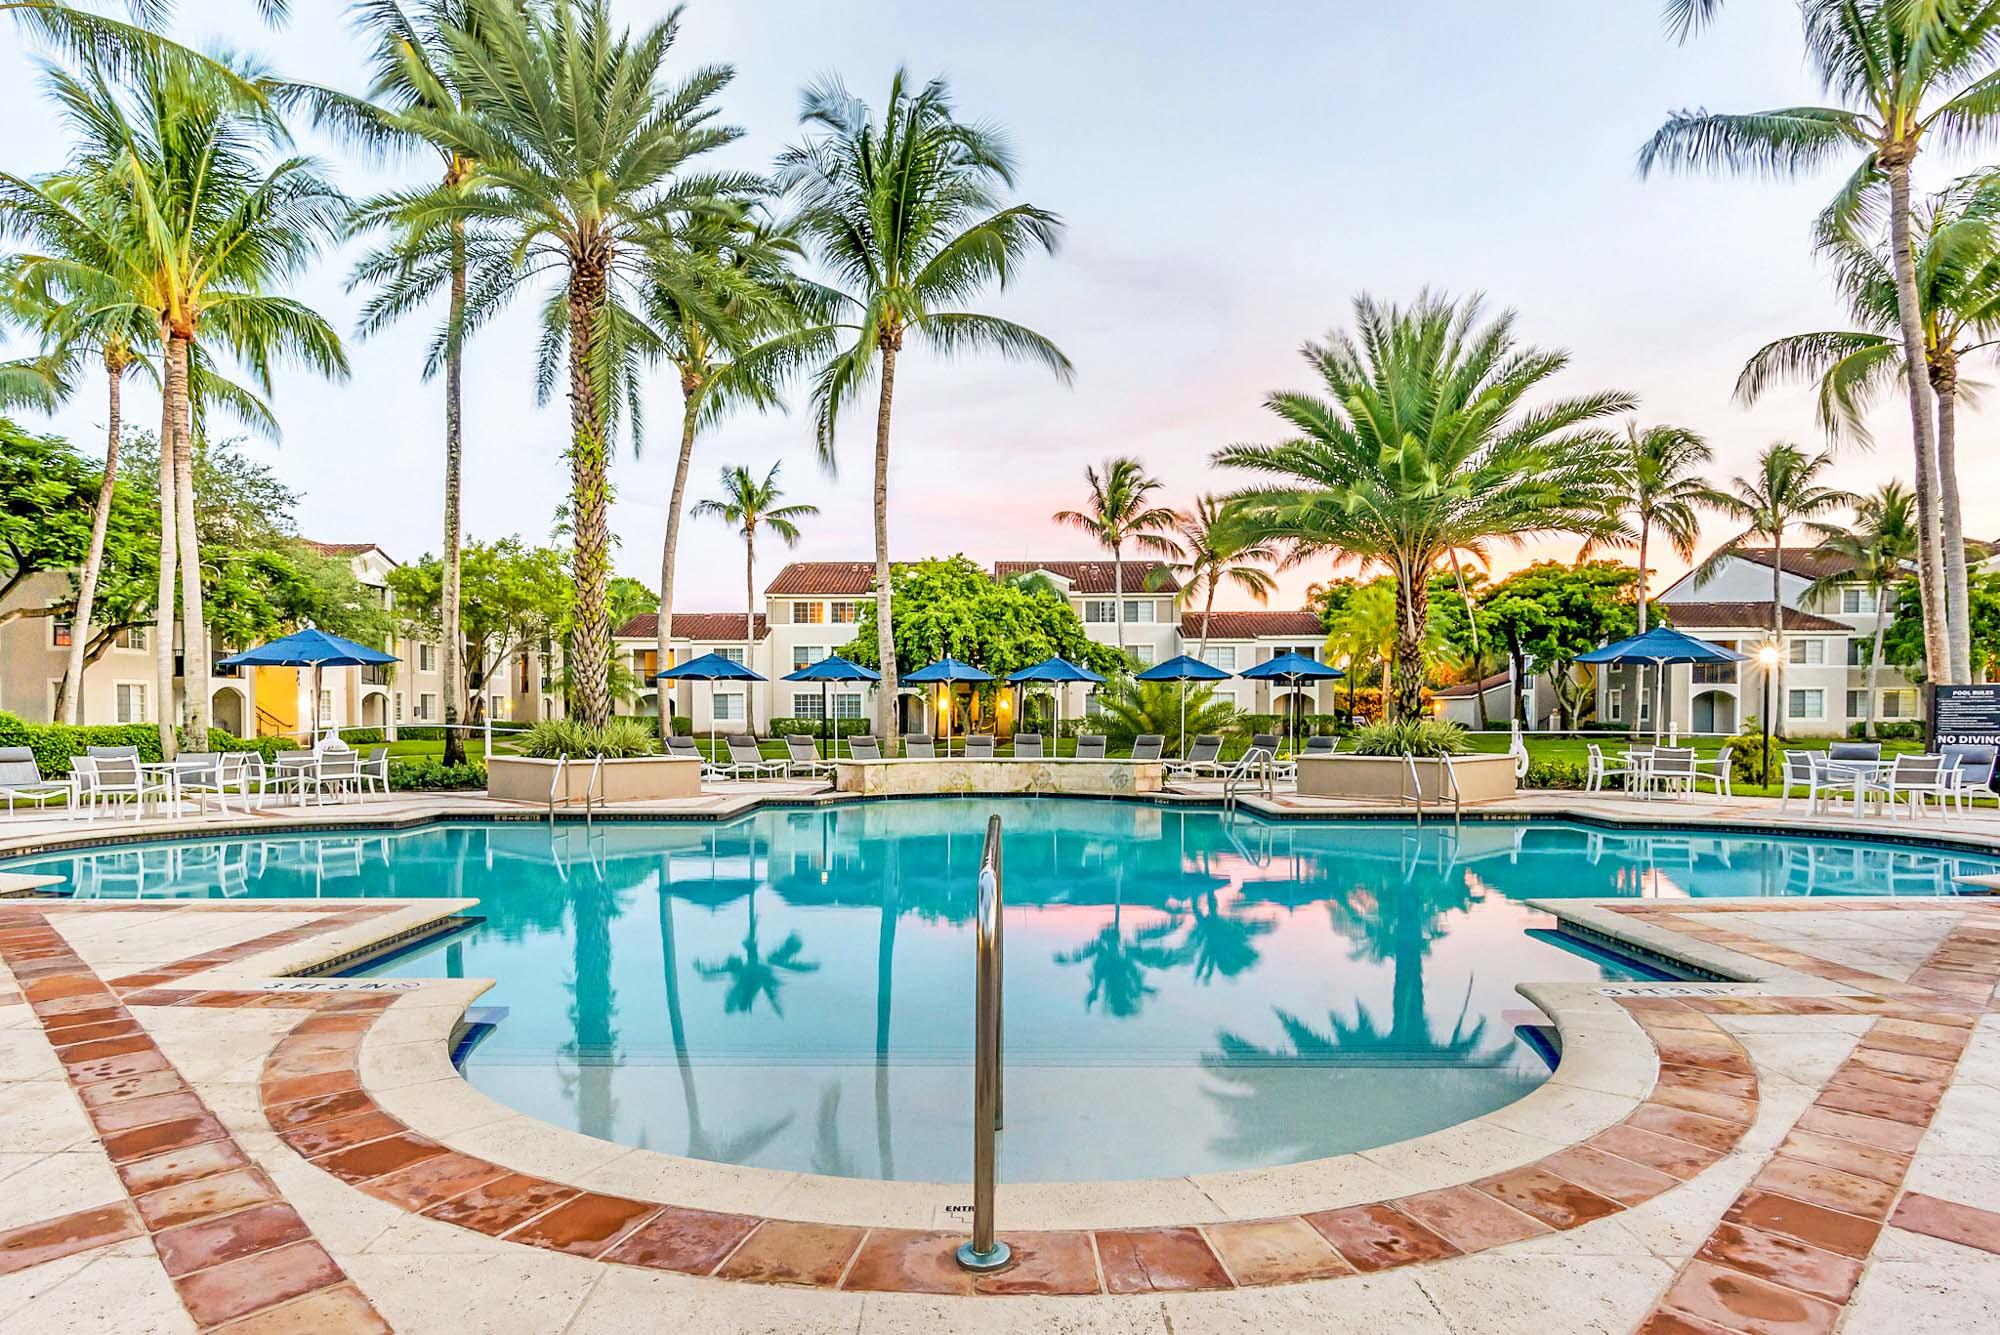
1387	778
1096	778
643	779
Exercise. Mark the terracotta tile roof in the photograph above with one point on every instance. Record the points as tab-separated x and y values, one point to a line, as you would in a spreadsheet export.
1466	688
701	627
1091	577
843	578
1744	616
1302	625
1805	564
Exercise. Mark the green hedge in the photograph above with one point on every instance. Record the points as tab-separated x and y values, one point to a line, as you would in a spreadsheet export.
55	743
1554	774
682	725
812	727
267	747
1909	730
429	774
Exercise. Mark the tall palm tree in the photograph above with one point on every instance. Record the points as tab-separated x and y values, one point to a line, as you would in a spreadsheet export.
110	43
581	150
1215	547
1786	490
747	505
906	214
1878	546
1957	238
1366	629
1906	72
1121	510
197	214
1421	445
1661	479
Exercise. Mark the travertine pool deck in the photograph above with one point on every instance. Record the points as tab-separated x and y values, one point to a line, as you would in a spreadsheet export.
196	1135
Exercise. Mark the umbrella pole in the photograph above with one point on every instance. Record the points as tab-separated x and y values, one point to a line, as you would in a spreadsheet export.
1184	736
825	718
315	707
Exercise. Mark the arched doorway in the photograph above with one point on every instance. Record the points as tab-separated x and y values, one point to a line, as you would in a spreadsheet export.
228	708
1291	707
1715	711
375	709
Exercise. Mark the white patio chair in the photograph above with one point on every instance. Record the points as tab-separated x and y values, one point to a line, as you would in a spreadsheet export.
919	746
339	773
979	746
1915	778
1807	770
1147	747
238	772
375	771
1599	768
295	772
802	754
1671	769
1090	746
1202	761
747	762
21	778
862	746
1715	772
117	779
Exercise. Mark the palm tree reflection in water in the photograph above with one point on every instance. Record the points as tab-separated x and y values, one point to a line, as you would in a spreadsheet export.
593	1003
752	974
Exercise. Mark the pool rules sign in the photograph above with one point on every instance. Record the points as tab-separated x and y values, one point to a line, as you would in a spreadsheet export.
1965	715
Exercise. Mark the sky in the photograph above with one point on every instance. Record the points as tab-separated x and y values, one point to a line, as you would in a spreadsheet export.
1230	178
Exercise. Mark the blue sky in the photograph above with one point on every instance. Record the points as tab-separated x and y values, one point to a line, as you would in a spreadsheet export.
1230	176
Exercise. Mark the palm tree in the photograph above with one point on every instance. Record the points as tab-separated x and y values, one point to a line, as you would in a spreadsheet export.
1957	238
1904	72
591	210
1131	708
195	216
1785	490
1661	479
1878	547
753	974
906	215
1215	547
111	44
1120	510
1421	446
1365	629
747	505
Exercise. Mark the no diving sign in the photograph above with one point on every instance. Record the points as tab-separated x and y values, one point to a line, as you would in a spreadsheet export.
1965	715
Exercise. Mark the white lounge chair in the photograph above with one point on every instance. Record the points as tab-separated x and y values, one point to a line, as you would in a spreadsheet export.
979	746
919	746
802	754
21	779
862	746
1147	747
1028	746
747	762
1090	746
1203	759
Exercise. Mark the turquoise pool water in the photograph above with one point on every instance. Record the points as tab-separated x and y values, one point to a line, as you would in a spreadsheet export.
1186	992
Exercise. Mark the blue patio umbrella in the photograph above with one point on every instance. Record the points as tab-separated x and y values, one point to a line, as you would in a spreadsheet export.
1291	669
948	671
1183	669
1660	646
315	649
1057	671
830	669
710	668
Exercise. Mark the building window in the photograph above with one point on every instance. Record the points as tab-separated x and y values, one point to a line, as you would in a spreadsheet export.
732	653
1223	656
805	655
426	706
1807	704
399	706
1856	599
845	614
728	707
808	704
1146	654
847	706
808	614
326	706
62	632
1138	611
132	702
1808	653
1858	651
1100	610
427	658
1857	704
1899	704
134	637
1614	704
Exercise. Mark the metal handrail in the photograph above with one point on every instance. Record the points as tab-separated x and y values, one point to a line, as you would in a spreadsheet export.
985	1251
1410	785
1256	763
590	787
561	774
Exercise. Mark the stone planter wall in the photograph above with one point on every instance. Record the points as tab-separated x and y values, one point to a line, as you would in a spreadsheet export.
1095	778
1384	778
644	779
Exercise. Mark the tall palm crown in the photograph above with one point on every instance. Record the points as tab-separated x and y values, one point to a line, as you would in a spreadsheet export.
583	149
1661	479
1956	236
184	208
906	215
1216	547
1877	548
748	504
1907	72
1785	490
1121	510
1422	444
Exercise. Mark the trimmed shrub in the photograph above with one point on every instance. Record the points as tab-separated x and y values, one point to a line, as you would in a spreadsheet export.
1554	774
55	743
812	727
1426	737
619	739
267	747
683	726
1905	730
1746	767
430	774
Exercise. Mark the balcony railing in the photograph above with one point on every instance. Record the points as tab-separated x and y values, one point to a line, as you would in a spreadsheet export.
1715	674
375	674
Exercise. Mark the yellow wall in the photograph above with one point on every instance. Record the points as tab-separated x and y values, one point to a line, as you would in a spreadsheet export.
277	698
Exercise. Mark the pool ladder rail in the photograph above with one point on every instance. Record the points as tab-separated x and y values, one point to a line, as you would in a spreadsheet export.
559	784
985	1251
1412	788
1258	767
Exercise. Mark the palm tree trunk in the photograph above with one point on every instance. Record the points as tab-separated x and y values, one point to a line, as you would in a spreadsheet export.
1118	591
451	663
194	628
1930	540
1207	613
100	520
1951	525
749	626
664	633
589	461
1472	627
1777	631
1875	660
1412	610
1645	536
885	629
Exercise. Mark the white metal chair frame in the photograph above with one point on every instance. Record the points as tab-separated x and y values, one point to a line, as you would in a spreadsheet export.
1599	768
1916	777
802	753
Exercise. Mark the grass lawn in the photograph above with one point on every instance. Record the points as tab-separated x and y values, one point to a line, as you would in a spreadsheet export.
1575	750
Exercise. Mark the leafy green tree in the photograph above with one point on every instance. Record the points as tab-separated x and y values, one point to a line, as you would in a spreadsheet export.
591	207
1662	488
47	495
906	215
952	606
1362	633
513	597
746	505
1879	546
1552	613
1904	643
1785	490
1121	510
1421	446
1905	73
626	598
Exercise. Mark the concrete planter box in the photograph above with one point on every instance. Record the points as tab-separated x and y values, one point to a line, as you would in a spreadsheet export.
643	779
1385	778
1096	778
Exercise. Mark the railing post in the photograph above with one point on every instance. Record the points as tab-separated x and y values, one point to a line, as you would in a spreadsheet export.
985	1251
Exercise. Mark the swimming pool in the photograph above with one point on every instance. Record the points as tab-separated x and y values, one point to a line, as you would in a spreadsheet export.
1187	991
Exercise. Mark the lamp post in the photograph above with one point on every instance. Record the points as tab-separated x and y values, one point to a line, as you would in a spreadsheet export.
1767	659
